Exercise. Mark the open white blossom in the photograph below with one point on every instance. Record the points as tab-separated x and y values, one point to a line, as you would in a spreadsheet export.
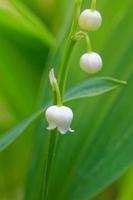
91	62
90	20
59	117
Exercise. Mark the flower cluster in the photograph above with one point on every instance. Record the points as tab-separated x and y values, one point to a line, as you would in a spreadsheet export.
90	20
59	116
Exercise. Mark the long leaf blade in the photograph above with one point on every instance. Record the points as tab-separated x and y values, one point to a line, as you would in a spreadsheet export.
10	136
93	87
16	17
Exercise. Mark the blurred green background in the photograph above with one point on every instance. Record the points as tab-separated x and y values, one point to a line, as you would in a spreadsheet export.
27	29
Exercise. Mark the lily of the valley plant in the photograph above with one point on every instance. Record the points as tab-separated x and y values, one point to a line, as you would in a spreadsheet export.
59	116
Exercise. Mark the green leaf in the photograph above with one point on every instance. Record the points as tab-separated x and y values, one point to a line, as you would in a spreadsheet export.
16	17
93	87
10	136
19	74
126	192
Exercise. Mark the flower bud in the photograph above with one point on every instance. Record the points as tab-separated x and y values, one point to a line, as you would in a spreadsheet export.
59	117
91	62
90	20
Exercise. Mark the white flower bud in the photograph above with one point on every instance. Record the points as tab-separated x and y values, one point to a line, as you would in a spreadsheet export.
59	117
90	20
91	62
52	78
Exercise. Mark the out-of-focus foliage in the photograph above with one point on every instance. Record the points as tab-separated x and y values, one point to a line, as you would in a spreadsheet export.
101	149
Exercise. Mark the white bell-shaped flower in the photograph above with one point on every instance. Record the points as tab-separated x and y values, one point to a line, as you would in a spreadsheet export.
59	117
91	62
90	20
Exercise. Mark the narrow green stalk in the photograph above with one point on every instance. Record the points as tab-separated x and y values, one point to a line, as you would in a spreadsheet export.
88	43
58	92
63	72
83	35
52	142
53	137
93	4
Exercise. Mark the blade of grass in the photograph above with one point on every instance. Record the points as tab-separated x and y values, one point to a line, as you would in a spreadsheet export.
11	135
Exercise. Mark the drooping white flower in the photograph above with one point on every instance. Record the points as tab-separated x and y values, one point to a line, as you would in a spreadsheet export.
59	117
91	62
90	20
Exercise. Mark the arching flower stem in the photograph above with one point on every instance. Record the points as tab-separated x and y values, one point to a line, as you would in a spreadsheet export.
93	4
83	35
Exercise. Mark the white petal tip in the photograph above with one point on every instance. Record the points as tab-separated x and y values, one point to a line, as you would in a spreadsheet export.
50	128
70	130
64	132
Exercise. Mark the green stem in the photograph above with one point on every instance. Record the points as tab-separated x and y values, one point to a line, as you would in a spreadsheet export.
52	141
58	96
83	35
88	43
93	4
52	137
63	72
